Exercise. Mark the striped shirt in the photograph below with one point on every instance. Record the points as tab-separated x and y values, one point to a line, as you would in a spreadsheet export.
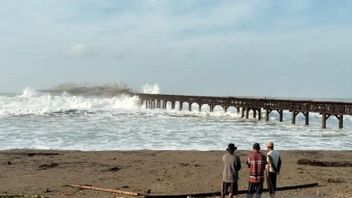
256	163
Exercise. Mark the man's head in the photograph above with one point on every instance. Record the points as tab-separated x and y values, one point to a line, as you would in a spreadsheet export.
231	148
256	146
270	145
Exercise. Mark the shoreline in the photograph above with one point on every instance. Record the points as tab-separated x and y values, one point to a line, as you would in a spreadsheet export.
48	172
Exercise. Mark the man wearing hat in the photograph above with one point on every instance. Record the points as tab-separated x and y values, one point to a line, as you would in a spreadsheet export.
256	163
232	164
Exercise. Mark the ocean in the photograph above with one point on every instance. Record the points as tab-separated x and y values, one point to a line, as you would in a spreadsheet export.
36	120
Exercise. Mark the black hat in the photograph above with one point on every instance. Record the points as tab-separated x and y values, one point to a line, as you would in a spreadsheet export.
231	147
256	146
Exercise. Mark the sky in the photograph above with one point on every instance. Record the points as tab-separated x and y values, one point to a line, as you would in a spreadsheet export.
271	48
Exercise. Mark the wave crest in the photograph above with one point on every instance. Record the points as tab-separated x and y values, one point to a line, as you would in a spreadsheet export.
31	102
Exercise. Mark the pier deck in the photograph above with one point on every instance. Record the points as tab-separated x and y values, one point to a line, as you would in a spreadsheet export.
245	104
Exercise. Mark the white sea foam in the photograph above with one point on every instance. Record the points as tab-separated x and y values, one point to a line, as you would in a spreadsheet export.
151	89
43	121
38	103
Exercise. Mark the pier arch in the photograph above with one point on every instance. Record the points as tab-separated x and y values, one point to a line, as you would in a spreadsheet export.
326	109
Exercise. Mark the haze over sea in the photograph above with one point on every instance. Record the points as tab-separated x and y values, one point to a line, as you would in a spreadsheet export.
36	120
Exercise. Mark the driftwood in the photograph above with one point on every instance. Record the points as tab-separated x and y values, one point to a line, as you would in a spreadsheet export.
105	190
219	193
186	195
47	166
323	163
18	196
30	154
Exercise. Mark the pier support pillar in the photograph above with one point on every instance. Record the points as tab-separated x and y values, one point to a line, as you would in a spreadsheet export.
242	112
306	115
259	114
247	112
238	109
189	106
181	105
164	104
173	104
267	115
281	115
294	115
200	107
254	113
211	107
340	118
153	104
325	116
158	104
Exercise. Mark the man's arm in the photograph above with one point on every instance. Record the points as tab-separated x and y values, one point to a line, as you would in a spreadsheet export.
278	165
238	163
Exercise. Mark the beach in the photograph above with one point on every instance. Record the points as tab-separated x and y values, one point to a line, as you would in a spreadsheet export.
49	172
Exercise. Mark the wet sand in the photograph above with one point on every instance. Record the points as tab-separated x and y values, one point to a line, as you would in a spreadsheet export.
48	172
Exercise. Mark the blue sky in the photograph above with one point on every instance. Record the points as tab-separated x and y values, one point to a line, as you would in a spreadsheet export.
274	48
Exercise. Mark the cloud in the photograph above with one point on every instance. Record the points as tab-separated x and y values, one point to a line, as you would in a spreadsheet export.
151	40
81	50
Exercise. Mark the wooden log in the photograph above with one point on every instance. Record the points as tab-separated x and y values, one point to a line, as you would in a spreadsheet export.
207	194
324	163
29	153
14	196
105	190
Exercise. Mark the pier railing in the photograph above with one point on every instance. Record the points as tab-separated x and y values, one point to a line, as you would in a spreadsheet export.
244	105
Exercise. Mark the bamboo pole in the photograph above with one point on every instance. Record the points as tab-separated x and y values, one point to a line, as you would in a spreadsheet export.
105	190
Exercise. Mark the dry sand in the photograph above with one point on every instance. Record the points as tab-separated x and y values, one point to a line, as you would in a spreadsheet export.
32	172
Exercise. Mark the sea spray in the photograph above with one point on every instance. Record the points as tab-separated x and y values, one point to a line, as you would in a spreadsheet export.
40	120
31	102
151	89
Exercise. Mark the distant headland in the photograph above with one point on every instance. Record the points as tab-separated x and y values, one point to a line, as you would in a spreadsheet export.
90	90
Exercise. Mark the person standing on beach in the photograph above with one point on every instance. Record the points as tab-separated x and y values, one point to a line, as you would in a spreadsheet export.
232	164
256	163
272	168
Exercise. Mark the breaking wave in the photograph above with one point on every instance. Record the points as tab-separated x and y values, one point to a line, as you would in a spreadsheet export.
31	102
38	120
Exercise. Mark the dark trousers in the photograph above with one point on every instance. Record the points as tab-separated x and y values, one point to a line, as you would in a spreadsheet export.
227	188
255	189
271	181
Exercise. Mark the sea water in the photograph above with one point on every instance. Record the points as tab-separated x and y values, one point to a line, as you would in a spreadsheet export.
35	120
